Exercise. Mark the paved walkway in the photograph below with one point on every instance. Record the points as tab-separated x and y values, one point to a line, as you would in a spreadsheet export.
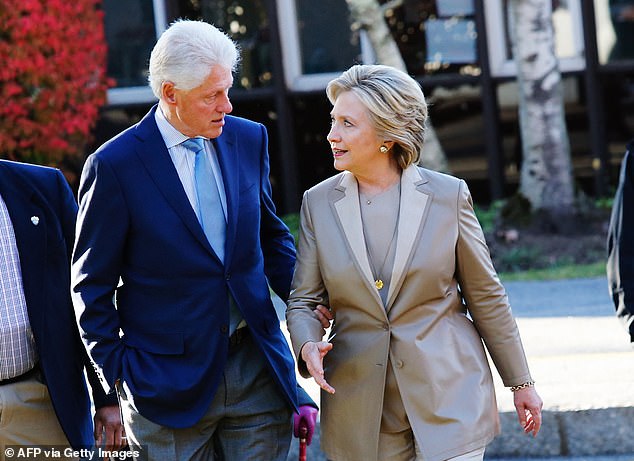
582	361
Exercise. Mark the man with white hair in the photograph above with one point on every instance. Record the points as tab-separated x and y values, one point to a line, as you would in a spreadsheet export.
177	245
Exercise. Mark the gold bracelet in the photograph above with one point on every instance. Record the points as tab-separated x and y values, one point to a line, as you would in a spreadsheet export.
522	386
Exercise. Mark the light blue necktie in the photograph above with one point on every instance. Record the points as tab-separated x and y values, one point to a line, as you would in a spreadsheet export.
210	213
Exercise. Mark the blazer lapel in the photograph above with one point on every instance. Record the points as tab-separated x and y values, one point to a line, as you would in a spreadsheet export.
25	209
156	159
225	146
348	212
414	207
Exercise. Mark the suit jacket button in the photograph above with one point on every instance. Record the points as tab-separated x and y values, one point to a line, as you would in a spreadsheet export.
224	329
399	364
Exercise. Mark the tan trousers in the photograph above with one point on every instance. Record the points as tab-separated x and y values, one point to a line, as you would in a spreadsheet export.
27	417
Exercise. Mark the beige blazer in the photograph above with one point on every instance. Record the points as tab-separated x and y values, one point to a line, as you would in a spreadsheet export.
433	340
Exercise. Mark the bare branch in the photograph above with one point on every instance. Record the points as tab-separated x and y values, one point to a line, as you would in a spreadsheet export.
392	4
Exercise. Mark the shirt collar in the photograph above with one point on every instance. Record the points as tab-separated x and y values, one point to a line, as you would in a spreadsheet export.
171	135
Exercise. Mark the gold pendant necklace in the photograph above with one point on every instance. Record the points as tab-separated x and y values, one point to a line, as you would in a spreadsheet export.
378	282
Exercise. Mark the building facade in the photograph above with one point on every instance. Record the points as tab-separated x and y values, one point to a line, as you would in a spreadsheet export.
459	51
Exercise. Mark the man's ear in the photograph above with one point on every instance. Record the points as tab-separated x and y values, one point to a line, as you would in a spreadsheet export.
168	92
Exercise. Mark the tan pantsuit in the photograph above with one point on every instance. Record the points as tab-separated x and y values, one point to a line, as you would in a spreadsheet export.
436	349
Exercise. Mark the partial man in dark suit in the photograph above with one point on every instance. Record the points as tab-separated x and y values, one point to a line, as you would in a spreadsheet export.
44	399
620	266
177	245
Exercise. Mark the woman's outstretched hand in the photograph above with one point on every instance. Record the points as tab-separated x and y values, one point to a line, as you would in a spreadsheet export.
313	354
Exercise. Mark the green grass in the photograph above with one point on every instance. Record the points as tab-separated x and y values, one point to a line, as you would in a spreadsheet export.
292	221
488	215
570	271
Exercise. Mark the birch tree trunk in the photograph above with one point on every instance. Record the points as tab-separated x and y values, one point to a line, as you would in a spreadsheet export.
369	15
546	174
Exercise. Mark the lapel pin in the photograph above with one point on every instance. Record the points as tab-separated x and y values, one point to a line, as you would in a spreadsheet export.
35	220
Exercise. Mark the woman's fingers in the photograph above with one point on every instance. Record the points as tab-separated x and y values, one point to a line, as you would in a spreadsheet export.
313	354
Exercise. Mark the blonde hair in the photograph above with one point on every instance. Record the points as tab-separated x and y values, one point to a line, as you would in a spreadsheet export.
395	103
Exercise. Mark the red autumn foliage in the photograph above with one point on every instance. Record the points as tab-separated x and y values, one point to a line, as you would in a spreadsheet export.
52	78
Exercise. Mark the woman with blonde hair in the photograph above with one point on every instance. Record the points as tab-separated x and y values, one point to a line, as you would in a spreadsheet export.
397	253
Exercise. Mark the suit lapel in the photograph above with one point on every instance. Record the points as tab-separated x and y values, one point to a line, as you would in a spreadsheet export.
225	146
348	213
155	157
25	208
414	208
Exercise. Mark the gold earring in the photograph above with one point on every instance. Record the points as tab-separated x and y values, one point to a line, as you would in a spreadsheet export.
383	149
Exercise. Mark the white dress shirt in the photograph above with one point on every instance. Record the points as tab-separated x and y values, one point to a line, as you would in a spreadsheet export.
184	159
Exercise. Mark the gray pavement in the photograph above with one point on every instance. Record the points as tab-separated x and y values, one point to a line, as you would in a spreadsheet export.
583	363
573	458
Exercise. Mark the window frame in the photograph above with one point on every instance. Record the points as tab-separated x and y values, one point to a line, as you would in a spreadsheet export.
294	79
496	42
140	94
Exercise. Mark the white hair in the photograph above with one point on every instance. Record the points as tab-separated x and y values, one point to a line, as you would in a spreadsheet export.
186	52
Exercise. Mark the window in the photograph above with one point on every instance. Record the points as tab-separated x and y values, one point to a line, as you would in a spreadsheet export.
435	37
316	47
130	38
246	22
133	26
323	50
432	36
568	37
615	30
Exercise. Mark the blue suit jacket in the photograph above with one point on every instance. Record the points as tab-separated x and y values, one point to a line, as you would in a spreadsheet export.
136	227
33	192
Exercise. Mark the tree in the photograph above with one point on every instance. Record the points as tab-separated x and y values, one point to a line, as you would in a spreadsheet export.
370	16
546	175
52	79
